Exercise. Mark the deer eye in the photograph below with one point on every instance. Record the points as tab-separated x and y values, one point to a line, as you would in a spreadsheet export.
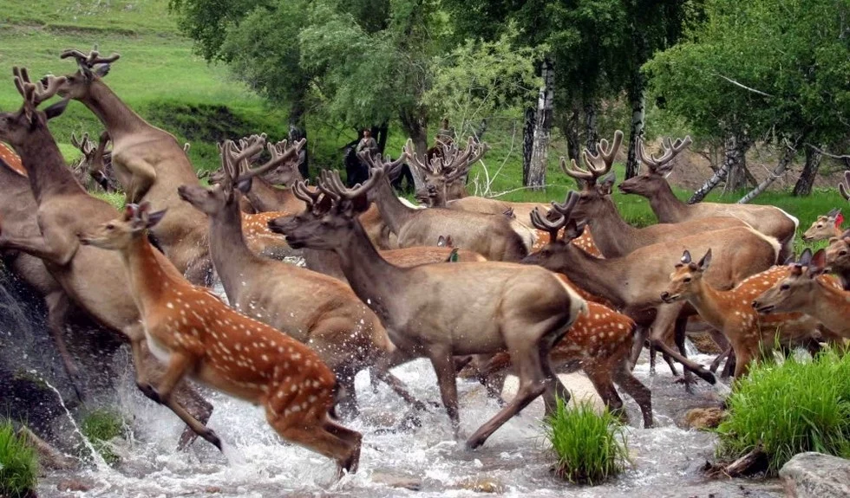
687	280
842	253
110	227
784	287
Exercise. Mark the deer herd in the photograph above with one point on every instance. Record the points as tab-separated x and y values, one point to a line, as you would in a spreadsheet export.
466	282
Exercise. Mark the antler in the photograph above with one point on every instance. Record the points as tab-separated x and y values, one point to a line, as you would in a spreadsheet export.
844	187
36	92
594	170
86	62
236	162
541	222
670	151
452	163
331	184
300	190
377	161
85	145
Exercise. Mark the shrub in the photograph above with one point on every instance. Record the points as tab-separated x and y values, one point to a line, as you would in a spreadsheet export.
18	464
590	447
101	426
790	408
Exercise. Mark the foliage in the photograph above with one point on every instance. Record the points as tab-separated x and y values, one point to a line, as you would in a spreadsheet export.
590	447
790	408
100	427
18	464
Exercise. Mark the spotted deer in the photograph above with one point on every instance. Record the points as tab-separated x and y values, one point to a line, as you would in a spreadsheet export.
12	160
652	184
442	310
197	335
805	289
312	308
825	227
732	311
148	162
93	280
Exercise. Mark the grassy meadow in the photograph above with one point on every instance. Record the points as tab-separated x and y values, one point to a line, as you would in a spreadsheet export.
161	78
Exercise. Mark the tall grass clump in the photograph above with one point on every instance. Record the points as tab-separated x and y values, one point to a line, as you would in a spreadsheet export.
788	408
18	464
590	447
100	427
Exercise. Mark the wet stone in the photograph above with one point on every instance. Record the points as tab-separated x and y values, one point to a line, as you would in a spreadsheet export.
394	480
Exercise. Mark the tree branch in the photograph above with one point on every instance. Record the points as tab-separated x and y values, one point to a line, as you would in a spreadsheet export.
745	87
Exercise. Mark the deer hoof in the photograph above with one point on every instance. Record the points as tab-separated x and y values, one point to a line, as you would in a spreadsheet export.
150	392
213	438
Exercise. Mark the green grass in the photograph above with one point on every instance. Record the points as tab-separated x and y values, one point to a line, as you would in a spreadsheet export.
590	447
102	426
790	408
18	464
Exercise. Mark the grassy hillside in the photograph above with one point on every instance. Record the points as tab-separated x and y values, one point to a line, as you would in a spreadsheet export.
159	76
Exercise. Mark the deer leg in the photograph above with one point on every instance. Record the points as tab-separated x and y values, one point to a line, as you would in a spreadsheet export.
637	347
600	377
554	387
381	371
346	396
443	363
624	378
142	177
666	316
57	249
315	436
679	337
179	363
58	305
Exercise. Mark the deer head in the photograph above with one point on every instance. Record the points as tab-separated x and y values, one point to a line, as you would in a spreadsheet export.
686	278
330	217
652	180
236	174
91	67
597	180
838	252
447	167
825	226
795	291
560	216
16	127
119	233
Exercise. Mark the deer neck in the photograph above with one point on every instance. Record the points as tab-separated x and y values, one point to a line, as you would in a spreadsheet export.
228	249
46	168
601	277
118	118
373	279
611	234
711	304
666	206
830	306
151	277
393	212
265	197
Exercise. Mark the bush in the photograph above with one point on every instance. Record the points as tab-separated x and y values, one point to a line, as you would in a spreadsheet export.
790	408
100	427
590	447
18	464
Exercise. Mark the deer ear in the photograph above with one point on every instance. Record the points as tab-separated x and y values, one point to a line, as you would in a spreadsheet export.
606	185
806	257
818	264
705	262
686	257
56	109
244	184
154	218
129	211
102	70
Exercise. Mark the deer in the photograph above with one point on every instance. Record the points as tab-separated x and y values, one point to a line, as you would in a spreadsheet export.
94	281
491	236
652	184
633	283
442	310
12	160
838	258
199	336
732	313
148	162
312	308
825	227
96	163
805	289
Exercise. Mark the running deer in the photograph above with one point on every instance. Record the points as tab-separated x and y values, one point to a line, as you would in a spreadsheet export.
198	336
732	312
825	227
148	162
599	343
612	234
442	310
90	278
633	283
805	289
96	163
312	308
653	185
491	236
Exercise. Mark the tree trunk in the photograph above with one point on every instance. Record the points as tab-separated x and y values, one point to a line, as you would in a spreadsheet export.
379	133
734	157
297	131
804	184
637	100
784	161
527	143
542	130
416	127
591	135
570	130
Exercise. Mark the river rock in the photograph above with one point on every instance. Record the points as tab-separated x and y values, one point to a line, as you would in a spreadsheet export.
482	485
703	342
815	475
704	418
395	480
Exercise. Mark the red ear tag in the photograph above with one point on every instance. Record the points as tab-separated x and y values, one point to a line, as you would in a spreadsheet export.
839	220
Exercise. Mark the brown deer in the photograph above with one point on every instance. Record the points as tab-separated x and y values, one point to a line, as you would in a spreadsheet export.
148	162
199	336
599	343
633	283
653	185
612	234
312	308
732	312
442	171
805	289
491	236
96	163
443	310
838	258
825	227
91	278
